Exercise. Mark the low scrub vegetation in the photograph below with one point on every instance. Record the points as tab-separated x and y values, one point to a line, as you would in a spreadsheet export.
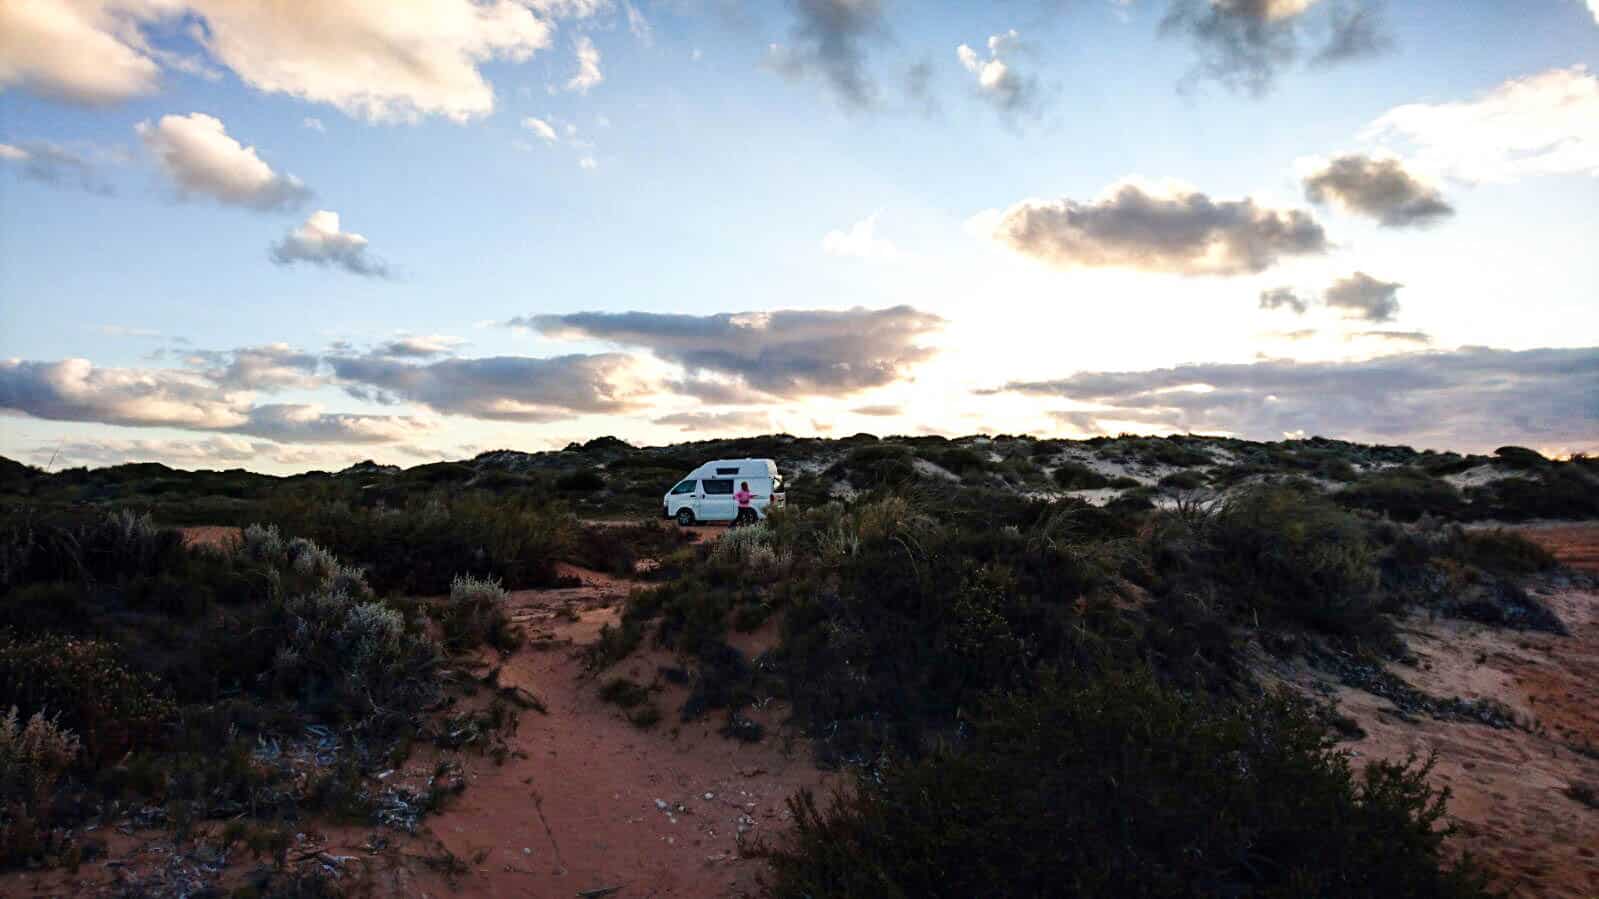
1119	787
138	669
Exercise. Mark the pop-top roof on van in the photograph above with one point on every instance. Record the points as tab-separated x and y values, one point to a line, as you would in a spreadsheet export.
729	468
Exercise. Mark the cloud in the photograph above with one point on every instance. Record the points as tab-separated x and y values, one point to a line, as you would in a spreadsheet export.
1543	124
301	423
215	451
199	157
1378	188
1170	229
1593	7
1245	44
544	130
503	388
1284	298
76	52
784	352
717	392
1364	297
1395	336
880	411
1469	399
275	366
320	241
371	59
420	346
998	82
638	25
1357	32
56	166
828	41
718	422
75	390
588	65
860	241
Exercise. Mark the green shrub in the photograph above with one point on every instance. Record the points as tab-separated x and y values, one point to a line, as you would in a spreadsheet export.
1560	490
1404	494
475	615
1116	787
1183	480
86	685
583	480
1520	457
1504	552
33	757
1070	475
1292	556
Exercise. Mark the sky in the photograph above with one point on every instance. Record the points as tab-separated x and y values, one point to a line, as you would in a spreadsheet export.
285	237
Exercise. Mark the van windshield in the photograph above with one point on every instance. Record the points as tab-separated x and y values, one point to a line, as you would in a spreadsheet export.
685	487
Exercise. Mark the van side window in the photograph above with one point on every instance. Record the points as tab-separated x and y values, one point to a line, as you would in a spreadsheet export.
718	486
685	487
733	470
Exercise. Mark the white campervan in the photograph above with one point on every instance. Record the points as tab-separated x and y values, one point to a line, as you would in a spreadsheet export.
709	492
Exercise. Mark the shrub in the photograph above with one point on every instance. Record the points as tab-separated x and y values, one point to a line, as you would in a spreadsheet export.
475	614
1558	491
87	686
1117	787
1520	457
33	757
1505	552
1183	480
584	480
750	550
354	661
1070	475
1293	556
623	692
1404	494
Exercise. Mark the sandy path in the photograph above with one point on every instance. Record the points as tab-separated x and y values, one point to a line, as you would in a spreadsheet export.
589	801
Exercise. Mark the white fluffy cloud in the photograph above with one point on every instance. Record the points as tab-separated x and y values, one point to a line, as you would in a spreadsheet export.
372	59
80	52
197	154
1543	124
998	82
320	241
544	130
860	241
588	65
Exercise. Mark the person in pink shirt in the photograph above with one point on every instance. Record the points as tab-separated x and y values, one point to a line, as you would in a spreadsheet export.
746	512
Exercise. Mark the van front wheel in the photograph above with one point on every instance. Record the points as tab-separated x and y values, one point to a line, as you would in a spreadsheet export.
685	517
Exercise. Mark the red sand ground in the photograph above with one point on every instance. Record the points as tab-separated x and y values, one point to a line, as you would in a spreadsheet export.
1508	785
